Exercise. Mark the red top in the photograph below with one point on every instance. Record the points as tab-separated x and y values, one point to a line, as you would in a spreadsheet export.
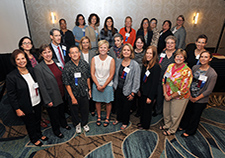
131	38
58	76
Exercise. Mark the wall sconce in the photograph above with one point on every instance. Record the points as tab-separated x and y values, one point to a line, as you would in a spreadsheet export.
53	17
195	18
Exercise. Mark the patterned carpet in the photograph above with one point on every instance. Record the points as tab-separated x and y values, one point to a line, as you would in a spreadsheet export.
111	142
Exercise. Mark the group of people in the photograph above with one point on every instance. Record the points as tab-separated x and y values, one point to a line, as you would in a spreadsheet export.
149	70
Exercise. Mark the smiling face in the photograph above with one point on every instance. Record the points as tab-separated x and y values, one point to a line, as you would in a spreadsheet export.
56	37
205	58
74	54
118	42
85	44
179	59
170	44
149	55
153	24
109	23
128	22
93	20
180	21
47	54
62	25
81	20
21	60
126	52
200	43
139	44
145	24
26	44
166	26
103	49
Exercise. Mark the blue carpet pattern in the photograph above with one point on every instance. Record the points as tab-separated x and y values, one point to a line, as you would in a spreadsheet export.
171	151
104	151
214	114
140	144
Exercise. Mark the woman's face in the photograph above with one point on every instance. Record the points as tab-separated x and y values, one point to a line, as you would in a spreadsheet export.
21	60
109	23
26	45
149	54
128	22
166	26
205	58
139	44
85	44
103	49
126	52
93	20
180	21
118	42
47	54
145	24
200	43
179	59
81	20
170	44
153	24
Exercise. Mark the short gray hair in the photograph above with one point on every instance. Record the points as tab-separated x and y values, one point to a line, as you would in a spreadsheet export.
171	37
118	35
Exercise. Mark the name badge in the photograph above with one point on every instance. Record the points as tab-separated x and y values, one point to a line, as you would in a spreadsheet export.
147	73
197	57
127	35
203	78
126	69
59	64
35	85
83	30
162	55
167	74
63	47
77	75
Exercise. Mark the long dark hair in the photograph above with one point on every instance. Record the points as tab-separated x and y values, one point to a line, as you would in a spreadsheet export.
106	28
142	40
141	26
21	43
154	60
77	21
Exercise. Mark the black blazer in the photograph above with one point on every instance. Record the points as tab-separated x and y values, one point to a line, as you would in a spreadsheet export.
66	58
149	88
149	38
18	91
161	42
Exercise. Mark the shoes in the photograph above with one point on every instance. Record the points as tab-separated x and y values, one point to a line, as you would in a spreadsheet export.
92	113
139	124
86	128
98	122
68	127
123	127
115	122
78	128
185	135
43	124
140	127
44	139
106	123
163	128
60	135
166	133
38	144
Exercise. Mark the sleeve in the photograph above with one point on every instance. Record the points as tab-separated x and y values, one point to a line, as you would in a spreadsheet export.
136	82
65	76
167	71
102	35
185	81
12	92
182	37
138	33
155	38
211	85
134	38
87	32
40	79
156	75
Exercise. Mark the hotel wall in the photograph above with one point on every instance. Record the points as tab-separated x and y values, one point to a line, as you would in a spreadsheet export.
212	14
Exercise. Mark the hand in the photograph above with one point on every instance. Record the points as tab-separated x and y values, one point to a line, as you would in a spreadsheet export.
20	113
139	93
130	97
100	88
74	101
167	98
50	104
193	99
148	101
89	92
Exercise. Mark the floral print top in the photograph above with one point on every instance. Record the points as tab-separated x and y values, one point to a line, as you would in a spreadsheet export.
178	80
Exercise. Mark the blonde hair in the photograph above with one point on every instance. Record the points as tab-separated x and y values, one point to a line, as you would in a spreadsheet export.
182	52
103	42
154	60
81	40
131	49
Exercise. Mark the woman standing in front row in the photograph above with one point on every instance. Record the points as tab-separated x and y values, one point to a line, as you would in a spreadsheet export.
24	97
149	82
49	77
202	86
92	30
176	83
102	72
126	84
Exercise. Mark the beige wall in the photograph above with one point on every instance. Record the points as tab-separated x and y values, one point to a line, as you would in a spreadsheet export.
212	14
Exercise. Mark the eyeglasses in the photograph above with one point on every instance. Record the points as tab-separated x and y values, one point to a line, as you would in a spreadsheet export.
170	42
145	22
153	22
179	20
24	43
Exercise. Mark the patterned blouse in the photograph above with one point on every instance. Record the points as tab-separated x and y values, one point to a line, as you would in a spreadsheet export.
178	80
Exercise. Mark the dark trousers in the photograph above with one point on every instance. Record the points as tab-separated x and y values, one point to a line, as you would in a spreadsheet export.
57	118
123	106
159	100
32	122
83	106
192	117
137	103
146	113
